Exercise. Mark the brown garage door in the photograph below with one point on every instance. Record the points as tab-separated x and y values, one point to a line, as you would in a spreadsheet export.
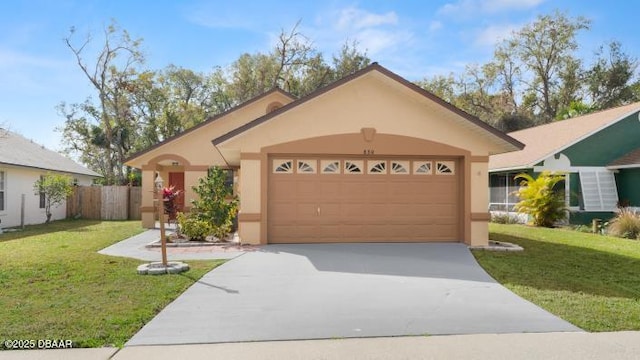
313	200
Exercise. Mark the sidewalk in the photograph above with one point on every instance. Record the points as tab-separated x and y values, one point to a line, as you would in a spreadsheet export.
135	247
547	346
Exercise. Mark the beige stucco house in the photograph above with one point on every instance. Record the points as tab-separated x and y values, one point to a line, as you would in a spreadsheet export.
370	158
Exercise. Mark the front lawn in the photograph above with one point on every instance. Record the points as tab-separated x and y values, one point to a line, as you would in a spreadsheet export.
54	284
592	281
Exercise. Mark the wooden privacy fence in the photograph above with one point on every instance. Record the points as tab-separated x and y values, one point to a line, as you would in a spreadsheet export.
105	203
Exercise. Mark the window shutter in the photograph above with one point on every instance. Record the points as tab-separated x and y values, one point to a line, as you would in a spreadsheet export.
599	192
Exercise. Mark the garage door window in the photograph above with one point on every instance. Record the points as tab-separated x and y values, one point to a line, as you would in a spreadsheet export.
353	166
445	168
377	166
307	166
283	166
422	167
330	166
399	167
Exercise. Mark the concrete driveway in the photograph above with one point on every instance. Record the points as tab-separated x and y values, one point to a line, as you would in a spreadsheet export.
324	291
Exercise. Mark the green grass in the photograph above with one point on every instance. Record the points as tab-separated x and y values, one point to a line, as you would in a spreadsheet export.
54	284
592	281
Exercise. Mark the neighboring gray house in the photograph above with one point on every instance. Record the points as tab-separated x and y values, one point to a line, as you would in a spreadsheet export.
22	163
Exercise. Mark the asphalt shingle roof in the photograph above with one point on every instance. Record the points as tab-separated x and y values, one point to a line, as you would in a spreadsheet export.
20	151
545	140
631	159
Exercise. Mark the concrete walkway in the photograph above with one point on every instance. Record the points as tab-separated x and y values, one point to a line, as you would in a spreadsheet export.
135	247
546	346
325	291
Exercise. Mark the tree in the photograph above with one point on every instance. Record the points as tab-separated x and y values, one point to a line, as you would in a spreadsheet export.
539	200
533	78
575	108
546	49
55	188
105	128
609	79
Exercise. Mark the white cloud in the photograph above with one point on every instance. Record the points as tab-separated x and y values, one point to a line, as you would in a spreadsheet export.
376	41
491	35
494	6
464	8
435	26
355	18
374	33
10	59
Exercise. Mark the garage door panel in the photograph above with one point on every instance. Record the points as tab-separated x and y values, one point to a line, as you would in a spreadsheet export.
283	187
306	211
306	189
444	210
352	231
342	207
353	211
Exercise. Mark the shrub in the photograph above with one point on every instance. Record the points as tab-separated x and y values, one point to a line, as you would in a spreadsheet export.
504	218
539	200
193	228
216	203
626	224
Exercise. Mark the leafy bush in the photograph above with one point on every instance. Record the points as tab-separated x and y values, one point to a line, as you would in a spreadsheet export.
626	224
539	200
504	218
216	203
194	228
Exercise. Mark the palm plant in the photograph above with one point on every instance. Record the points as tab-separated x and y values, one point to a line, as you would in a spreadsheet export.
539	200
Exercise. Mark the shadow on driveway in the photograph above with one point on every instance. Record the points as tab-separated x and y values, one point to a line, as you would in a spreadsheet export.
294	292
432	260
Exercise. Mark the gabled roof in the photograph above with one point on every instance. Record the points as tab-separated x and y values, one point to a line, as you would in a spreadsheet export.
19	151
209	121
626	161
373	67
545	140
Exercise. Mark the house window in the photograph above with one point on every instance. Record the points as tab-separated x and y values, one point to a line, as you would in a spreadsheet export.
42	196
3	190
228	178
502	191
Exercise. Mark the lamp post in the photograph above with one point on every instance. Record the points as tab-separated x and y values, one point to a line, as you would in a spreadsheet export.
159	185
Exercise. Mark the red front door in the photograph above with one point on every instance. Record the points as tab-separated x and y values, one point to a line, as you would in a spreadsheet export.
176	179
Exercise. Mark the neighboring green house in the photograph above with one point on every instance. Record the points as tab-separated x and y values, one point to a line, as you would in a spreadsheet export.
599	152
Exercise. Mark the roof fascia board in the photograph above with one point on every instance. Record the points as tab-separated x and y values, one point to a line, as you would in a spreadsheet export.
518	168
374	66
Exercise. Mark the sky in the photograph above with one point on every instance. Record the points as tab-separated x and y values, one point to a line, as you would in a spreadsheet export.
413	38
